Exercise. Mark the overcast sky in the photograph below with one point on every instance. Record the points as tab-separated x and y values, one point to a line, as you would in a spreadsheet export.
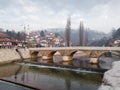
99	15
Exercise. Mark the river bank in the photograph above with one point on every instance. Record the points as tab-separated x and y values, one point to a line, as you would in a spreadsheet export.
111	79
11	55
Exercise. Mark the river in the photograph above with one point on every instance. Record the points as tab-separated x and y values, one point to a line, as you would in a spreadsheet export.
52	75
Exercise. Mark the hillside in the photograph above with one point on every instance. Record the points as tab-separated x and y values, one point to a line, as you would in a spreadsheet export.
92	35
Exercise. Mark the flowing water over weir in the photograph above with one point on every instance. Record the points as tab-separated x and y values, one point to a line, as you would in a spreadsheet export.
42	75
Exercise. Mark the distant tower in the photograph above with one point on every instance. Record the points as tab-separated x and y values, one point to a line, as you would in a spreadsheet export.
81	34
68	30
28	29
24	34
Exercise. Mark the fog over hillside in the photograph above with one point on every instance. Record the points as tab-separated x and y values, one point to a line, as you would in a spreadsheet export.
92	35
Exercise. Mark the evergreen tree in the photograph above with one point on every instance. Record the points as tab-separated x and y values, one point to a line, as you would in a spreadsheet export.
42	34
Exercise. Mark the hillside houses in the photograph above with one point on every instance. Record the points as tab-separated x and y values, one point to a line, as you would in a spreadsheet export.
6	42
46	39
10	39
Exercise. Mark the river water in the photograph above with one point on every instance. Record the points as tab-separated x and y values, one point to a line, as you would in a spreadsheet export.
45	78
49	77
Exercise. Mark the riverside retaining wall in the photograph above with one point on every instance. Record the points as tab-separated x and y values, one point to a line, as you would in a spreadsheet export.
10	55
111	79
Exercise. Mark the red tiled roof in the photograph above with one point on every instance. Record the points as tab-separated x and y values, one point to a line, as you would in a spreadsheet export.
5	40
3	35
9	40
14	40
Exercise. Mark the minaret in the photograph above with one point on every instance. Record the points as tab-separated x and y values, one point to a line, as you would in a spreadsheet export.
28	29
68	30
81	34
24	34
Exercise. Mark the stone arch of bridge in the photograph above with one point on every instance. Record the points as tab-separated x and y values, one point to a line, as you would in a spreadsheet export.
70	53
67	55
48	55
73	52
94	55
33	55
103	53
87	52
108	52
51	53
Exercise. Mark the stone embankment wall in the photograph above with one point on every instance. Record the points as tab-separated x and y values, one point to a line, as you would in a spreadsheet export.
111	79
10	55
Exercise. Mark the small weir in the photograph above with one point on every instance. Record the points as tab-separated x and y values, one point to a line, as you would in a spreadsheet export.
65	67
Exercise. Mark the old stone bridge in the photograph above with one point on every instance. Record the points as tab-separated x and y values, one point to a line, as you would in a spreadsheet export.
67	52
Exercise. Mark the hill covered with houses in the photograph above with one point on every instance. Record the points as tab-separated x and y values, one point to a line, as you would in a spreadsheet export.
55	38
10	39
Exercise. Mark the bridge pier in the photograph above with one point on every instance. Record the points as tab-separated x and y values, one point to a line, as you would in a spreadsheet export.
94	60
67	58
47	57
94	55
67	62
33	56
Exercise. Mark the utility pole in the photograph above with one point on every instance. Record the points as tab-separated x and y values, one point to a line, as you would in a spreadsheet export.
68	31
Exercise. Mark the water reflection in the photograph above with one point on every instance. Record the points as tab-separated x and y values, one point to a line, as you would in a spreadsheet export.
53	79
66	63
82	61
